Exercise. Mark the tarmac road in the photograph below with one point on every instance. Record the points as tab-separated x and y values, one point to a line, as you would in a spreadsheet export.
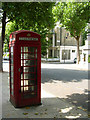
66	82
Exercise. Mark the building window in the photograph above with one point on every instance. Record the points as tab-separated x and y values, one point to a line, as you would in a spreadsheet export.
50	53
80	51
65	54
67	34
73	50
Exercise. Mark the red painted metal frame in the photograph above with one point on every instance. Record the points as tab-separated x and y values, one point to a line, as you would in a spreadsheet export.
16	99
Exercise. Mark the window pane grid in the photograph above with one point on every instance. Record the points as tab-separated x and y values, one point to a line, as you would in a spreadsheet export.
11	71
29	79
28	89
29	76
28	85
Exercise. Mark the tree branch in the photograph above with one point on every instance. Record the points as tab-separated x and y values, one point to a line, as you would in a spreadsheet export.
73	35
10	20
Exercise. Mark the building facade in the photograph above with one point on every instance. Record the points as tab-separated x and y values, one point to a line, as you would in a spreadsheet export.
63	46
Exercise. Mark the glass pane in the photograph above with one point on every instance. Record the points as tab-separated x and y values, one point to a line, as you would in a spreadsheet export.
31	82
21	89
12	74
25	56
29	69
36	55
21	55
25	82
28	56
21	82
25	88
11	61
29	88
36	50
25	49
12	92
21	76
21	62
11	58
12	55
11	68
28	49
29	76
11	80
11	49
29	62
12	86
31	49
21	49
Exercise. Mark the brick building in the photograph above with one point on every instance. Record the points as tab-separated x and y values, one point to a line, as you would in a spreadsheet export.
62	46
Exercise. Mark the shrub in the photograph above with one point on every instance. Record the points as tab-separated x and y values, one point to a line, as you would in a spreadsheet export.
88	58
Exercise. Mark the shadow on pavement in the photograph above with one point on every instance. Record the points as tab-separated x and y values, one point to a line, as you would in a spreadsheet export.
79	100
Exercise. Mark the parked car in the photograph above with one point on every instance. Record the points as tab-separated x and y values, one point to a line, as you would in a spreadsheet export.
6	58
75	60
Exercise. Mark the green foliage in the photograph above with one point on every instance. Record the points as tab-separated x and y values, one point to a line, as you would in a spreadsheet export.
84	33
5	48
73	16
9	29
33	16
29	14
84	36
88	58
0	16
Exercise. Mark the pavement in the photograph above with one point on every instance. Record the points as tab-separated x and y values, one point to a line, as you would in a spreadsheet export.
52	106
68	65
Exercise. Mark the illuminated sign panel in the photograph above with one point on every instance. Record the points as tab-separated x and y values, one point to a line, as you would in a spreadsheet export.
25	38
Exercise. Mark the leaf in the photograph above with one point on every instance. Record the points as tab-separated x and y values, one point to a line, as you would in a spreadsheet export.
36	113
25	113
27	107
45	109
80	107
45	113
59	111
89	115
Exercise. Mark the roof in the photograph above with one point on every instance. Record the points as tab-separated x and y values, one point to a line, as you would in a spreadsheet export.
20	31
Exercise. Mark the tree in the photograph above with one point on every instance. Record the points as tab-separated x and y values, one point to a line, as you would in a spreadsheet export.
0	38
11	27
27	15
74	17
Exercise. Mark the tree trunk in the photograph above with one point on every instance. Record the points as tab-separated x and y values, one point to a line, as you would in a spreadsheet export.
1	68
78	53
2	39
3	26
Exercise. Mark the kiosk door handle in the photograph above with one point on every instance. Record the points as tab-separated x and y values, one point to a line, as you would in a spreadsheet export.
21	69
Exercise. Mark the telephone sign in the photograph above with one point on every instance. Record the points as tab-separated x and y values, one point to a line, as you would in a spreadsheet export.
25	68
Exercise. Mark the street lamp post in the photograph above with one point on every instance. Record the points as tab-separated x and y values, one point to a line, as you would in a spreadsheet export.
64	46
64	56
64	49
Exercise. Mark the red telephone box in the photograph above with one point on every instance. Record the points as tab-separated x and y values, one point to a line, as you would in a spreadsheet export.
25	68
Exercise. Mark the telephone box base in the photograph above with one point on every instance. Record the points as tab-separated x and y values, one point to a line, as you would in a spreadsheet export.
20	106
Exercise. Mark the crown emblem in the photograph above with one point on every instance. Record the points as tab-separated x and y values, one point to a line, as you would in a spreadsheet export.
28	34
